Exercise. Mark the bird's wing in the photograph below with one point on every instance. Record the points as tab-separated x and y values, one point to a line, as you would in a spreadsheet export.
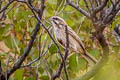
86	55
76	37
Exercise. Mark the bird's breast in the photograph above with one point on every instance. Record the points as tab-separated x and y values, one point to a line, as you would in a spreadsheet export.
60	36
58	32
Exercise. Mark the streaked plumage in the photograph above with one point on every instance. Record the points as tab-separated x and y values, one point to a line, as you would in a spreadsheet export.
75	43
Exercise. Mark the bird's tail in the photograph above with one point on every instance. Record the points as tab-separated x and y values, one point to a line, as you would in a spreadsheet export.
89	57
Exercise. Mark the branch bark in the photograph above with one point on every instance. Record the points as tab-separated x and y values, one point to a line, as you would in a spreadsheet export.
98	34
4	8
78	8
17	65
99	27
100	7
63	63
26	52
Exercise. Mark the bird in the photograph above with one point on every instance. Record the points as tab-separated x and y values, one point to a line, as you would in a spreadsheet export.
75	44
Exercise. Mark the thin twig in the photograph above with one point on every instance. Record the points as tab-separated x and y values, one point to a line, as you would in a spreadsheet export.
7	65
63	64
78	8
59	7
77	2
36	77
62	9
66	51
92	4
26	52
87	6
113	12
100	7
41	54
46	30
9	3
97	2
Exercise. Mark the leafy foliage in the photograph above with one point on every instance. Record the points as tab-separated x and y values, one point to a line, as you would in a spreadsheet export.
16	30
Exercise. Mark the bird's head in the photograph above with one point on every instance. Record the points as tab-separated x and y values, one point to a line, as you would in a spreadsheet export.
57	21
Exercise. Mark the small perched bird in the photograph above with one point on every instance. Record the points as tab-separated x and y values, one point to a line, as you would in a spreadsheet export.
75	44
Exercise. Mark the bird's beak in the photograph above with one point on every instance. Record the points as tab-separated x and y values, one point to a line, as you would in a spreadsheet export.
50	19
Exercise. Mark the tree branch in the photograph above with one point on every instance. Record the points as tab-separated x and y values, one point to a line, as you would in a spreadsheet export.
4	8
2	75
32	9
79	9
26	52
87	6
63	63
100	7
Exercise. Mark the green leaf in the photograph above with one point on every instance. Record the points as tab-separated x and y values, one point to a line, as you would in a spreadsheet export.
81	63
8	41
44	78
3	31
94	52
54	60
10	14
41	70
22	14
7	28
30	78
16	42
82	19
11	78
53	49
3	53
73	63
70	22
19	74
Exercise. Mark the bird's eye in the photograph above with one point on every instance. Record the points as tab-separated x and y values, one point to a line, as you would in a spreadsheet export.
55	18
